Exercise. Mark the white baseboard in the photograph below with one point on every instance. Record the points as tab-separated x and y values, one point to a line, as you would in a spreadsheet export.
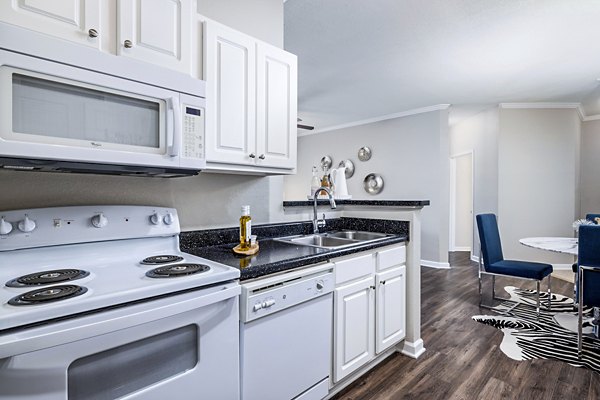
413	349
461	249
562	267
435	264
474	258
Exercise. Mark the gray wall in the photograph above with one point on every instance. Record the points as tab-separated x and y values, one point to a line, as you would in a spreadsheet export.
410	153
538	178
590	167
208	200
479	134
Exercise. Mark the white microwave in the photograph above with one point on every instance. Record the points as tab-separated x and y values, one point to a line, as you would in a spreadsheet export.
59	117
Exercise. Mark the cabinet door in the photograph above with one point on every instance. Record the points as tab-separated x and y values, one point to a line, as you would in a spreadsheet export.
156	31
276	107
354	327
73	20
391	308
230	74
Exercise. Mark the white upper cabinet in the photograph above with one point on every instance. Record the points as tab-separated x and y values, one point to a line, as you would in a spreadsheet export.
230	70
156	31
74	20
276	93
251	105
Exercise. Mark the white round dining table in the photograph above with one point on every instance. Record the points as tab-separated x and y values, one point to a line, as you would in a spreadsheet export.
557	244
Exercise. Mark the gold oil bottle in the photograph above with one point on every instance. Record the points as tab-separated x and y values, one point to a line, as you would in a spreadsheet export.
245	228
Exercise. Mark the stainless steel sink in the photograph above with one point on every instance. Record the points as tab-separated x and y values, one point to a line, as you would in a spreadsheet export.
318	240
357	235
334	240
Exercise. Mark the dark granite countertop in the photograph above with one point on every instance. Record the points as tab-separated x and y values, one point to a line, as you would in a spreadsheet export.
275	256
380	203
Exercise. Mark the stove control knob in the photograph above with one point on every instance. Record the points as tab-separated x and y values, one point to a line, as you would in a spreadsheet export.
99	220
5	227
320	285
169	219
26	225
155	219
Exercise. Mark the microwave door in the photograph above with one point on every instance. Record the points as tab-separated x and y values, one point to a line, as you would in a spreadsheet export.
54	111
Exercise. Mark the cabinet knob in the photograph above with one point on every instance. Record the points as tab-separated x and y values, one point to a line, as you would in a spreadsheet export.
93	33
262	156
252	155
128	44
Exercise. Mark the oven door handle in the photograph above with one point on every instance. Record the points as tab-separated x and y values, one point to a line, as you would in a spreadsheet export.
173	127
56	334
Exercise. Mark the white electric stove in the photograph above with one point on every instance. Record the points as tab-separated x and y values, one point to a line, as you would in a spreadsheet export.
100	300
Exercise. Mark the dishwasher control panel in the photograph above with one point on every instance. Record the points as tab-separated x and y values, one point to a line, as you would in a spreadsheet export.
270	295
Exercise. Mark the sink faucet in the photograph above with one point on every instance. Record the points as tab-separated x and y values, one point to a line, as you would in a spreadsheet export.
320	223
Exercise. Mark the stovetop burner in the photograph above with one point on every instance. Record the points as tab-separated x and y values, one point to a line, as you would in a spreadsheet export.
162	259
47	295
47	277
172	271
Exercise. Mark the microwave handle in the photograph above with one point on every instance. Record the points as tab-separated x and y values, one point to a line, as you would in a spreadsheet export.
173	127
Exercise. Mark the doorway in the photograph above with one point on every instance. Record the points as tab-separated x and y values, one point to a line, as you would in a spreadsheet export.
461	202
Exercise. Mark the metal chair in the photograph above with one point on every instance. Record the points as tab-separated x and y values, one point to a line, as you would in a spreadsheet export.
588	282
492	262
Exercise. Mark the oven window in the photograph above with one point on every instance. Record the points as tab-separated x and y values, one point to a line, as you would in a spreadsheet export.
54	109
122	370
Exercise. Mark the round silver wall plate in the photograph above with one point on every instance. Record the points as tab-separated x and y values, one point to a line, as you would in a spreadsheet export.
364	153
373	184
326	163
349	168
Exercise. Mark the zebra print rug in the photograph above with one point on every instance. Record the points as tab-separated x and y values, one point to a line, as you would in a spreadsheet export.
554	336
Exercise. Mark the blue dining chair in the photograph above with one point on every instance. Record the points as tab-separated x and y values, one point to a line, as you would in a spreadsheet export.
590	217
588	280
492	262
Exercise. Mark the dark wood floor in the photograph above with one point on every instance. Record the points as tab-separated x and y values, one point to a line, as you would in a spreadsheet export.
463	360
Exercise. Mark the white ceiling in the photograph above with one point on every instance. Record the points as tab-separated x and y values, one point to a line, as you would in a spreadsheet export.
359	59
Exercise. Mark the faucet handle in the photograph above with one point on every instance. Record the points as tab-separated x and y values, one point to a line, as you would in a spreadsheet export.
323	216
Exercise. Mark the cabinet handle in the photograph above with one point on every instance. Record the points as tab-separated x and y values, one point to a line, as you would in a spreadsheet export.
252	155
382	282
128	44
262	156
93	33
372	287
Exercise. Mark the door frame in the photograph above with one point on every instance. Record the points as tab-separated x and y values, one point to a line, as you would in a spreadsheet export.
452	220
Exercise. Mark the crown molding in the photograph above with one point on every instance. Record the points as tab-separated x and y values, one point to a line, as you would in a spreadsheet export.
401	114
591	118
540	105
548	105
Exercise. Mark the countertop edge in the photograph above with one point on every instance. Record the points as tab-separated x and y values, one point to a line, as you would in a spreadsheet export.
372	203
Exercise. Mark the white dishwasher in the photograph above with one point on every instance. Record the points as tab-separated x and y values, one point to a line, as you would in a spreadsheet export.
285	335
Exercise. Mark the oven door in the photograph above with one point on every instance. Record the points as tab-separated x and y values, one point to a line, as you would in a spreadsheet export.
55	111
179	347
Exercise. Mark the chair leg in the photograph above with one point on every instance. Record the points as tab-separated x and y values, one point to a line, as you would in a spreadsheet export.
580	317
537	308
549	292
493	288
480	294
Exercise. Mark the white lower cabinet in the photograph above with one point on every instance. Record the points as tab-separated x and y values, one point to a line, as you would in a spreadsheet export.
390	308
369	308
354	326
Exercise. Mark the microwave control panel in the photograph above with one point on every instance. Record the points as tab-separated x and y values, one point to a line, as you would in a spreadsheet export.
193	132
